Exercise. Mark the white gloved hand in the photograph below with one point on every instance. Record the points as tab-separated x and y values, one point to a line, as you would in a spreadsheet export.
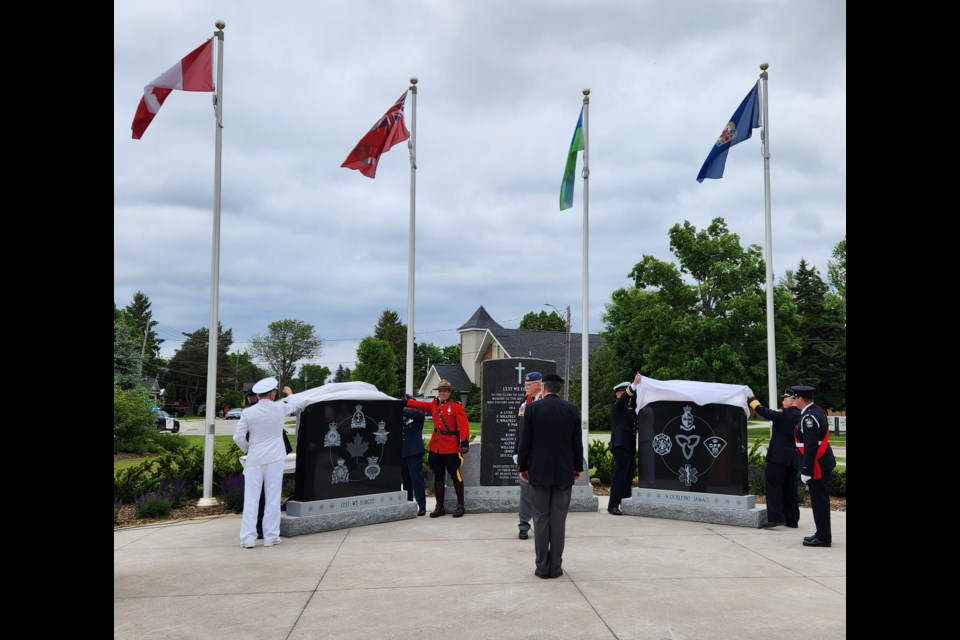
515	458
805	479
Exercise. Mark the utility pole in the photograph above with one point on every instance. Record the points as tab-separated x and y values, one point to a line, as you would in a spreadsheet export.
143	351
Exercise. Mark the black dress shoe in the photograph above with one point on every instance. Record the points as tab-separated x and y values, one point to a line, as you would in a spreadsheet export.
541	575
422	512
793	526
615	511
771	525
523	535
809	538
816	542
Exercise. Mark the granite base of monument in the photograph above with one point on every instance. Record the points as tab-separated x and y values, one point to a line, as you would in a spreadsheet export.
715	508
507	499
479	498
343	513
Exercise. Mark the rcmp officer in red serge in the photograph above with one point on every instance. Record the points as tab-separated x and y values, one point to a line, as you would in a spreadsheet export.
817	462
448	444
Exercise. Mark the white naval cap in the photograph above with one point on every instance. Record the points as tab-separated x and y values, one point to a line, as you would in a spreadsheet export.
266	385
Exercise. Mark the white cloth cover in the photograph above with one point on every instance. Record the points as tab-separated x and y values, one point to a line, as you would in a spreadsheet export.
702	393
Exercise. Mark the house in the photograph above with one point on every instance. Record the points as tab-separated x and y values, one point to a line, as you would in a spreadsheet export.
482	339
153	388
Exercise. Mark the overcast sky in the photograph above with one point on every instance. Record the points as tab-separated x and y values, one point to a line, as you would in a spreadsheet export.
499	93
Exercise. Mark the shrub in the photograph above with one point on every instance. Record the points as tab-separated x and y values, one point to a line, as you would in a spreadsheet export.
600	460
153	505
227	464
231	492
116	511
838	482
175	489
756	464
133	424
135	481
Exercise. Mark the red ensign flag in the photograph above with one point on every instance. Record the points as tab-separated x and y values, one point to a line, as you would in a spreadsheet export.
388	131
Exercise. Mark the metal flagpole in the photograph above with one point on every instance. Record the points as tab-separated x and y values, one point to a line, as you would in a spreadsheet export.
585	357
765	150
412	145
210	420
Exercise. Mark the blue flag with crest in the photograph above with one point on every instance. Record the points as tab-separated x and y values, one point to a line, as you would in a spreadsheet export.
744	120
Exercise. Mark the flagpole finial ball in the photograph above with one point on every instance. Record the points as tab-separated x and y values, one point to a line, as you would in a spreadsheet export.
586	91
221	24
413	79
764	66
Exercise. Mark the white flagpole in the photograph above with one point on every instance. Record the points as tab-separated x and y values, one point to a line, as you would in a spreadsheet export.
412	145
585	357
208	500
765	150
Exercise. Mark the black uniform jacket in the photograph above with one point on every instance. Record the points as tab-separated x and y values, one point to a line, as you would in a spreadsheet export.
551	447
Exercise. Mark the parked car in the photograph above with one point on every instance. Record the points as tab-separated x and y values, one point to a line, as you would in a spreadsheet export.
175	410
233	414
166	422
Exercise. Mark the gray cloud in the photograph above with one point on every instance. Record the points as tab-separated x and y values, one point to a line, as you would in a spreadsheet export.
498	97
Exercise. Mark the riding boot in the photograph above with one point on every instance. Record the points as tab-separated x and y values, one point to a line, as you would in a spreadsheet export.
458	487
438	510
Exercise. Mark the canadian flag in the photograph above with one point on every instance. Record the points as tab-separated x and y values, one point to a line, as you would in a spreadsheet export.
193	73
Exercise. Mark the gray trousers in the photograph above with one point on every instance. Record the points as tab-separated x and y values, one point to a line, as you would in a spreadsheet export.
526	506
550	507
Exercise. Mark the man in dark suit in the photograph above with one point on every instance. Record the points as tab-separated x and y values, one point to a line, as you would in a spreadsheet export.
550	458
817	463
783	462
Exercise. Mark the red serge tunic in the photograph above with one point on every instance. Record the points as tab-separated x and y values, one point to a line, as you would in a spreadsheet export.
450	424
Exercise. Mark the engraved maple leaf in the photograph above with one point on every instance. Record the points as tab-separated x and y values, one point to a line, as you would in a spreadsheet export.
358	447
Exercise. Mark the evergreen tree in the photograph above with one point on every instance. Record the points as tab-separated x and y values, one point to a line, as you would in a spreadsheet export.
822	359
343	374
188	366
376	364
394	333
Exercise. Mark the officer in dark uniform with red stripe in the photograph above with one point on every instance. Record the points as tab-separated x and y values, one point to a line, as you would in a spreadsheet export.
817	462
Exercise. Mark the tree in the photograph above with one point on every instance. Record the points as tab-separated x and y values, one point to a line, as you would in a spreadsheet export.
376	364
822	359
188	366
244	370
393	332
311	376
286	342
543	321
713	330
343	374
126	354
140	317
837	277
837	271
425	355
451	354
133	424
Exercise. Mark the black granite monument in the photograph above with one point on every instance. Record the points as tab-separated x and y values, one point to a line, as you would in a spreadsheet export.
502	396
348	448
698	448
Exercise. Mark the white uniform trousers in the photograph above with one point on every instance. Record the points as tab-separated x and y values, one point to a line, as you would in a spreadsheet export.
270	478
